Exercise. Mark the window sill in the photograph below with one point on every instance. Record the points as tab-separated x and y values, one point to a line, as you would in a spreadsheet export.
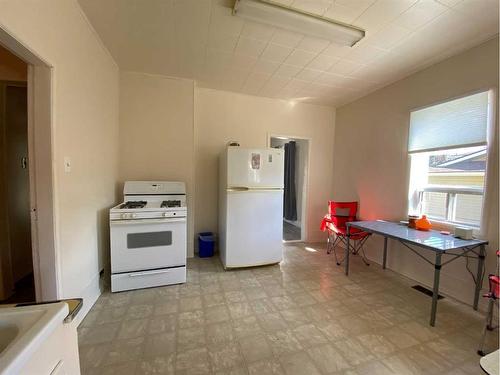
448	226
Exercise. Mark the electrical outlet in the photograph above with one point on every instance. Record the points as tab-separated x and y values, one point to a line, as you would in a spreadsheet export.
67	164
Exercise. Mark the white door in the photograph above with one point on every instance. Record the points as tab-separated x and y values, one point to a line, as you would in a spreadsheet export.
259	168
254	228
147	244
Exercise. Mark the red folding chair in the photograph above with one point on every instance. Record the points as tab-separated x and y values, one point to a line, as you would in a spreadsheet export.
493	295
340	213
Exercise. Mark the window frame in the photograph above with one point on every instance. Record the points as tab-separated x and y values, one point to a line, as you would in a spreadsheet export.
451	202
449	224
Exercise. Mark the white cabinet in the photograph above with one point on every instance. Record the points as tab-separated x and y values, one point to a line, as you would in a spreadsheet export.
58	355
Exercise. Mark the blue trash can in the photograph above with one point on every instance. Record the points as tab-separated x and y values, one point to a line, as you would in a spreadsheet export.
206	244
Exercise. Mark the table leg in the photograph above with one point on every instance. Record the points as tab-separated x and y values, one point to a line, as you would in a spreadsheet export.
385	253
480	266
347	250
435	291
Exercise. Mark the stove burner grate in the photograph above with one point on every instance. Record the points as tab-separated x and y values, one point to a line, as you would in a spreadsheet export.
134	204
173	203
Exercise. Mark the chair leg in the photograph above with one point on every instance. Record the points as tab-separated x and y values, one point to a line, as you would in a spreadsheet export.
362	250
487	327
357	248
330	244
335	252
338	239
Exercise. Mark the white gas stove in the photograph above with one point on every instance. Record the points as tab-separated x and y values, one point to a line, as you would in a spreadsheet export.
149	235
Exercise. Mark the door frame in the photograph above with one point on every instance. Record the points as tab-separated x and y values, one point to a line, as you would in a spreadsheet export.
305	189
42	173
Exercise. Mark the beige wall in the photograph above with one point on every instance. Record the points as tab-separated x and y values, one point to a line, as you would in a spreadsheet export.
223	116
85	128
12	68
156	132
167	133
371	164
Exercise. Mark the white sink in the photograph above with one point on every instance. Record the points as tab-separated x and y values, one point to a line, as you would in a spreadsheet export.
23	330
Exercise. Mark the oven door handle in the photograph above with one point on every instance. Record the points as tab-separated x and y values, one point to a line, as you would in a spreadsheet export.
147	273
148	221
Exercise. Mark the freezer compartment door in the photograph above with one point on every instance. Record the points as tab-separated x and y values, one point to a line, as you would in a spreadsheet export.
254	228
262	168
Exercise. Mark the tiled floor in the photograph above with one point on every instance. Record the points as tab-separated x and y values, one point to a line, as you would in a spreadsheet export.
301	317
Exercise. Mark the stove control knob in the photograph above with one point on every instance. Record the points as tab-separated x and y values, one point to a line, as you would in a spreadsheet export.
165	214
123	216
133	216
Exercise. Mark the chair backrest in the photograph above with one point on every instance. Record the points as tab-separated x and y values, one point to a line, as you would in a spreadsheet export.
343	208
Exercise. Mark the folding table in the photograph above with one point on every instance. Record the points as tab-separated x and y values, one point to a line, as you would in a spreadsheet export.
440	244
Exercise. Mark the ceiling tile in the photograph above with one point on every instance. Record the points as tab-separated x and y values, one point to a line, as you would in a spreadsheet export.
388	37
300	58
345	67
276	53
276	82
217	57
286	38
287	70
200	40
223	22
234	78
284	2
250	47
330	79
308	74
257	31
479	9
337	50
312	6
295	84
314	45
266	67
222	42
449	3
355	4
243	62
344	13
420	13
255	82
322	62
364	54
381	13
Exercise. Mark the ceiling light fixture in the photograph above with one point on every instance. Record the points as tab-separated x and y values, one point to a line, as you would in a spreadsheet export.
288	18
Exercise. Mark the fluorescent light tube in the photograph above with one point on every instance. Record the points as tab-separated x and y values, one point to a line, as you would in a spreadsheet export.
291	19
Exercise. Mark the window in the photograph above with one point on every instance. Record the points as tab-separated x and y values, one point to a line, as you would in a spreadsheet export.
447	146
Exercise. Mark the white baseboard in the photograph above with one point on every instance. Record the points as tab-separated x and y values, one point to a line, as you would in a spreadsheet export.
90	295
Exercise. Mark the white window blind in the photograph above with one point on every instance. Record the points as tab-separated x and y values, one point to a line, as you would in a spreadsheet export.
457	123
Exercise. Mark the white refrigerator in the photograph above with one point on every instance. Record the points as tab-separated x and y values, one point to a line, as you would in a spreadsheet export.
250	206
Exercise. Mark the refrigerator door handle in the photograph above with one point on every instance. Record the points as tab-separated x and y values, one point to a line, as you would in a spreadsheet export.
238	188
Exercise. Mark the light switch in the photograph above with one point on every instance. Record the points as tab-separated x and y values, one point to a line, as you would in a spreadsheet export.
67	164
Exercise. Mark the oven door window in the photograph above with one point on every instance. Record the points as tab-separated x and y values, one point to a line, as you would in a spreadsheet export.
149	239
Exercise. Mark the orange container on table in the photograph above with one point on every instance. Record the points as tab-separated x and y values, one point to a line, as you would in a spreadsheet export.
423	223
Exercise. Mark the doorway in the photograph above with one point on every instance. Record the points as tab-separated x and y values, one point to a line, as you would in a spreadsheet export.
19	284
33	91
295	185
